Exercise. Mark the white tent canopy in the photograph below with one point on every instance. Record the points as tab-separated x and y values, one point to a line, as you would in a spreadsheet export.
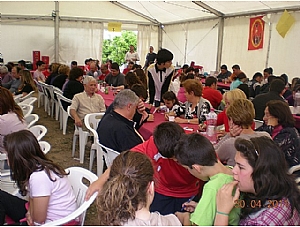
208	32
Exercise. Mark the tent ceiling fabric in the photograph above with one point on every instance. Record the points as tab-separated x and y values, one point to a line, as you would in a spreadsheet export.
168	12
147	12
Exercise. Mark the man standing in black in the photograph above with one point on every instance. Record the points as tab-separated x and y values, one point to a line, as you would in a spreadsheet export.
160	75
150	58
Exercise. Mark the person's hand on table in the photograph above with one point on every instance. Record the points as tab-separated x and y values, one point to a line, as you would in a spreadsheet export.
202	127
151	117
180	120
189	206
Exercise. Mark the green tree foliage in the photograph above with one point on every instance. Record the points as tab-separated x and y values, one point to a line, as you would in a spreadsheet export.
116	49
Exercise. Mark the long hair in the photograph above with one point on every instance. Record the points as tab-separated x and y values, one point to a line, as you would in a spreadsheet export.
141	74
270	177
282	112
125	192
8	104
131	79
25	157
26	78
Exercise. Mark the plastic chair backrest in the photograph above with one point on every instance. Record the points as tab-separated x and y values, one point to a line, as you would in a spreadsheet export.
27	109
31	119
91	121
29	101
27	96
77	174
56	89
45	146
39	131
109	154
60	97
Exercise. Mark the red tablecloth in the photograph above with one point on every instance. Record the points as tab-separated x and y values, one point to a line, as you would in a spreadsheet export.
108	98
220	84
148	127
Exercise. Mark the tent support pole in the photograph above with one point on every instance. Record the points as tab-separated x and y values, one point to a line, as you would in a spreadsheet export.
269	44
160	30
56	32
220	43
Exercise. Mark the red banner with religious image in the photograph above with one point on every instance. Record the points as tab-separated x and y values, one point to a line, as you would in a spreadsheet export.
256	33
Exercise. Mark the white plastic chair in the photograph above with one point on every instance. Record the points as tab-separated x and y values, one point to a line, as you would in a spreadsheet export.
39	131
109	154
6	184
31	119
91	121
17	98
57	107
77	174
41	96
29	101
294	169
27	96
27	109
258	123
45	146
82	136
48	99
64	114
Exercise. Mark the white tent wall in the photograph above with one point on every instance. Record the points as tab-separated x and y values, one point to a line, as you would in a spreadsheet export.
201	38
80	40
20	37
147	36
284	52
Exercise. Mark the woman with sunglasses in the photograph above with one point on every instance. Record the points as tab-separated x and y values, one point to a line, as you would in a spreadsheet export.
269	196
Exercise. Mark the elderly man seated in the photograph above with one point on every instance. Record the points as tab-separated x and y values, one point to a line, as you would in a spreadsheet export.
116	129
86	102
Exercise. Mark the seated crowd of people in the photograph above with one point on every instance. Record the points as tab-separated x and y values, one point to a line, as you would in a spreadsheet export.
174	177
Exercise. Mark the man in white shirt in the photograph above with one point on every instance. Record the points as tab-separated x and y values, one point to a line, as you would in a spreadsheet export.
131	55
86	102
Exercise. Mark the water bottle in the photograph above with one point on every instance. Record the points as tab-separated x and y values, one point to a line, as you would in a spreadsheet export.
211	121
297	103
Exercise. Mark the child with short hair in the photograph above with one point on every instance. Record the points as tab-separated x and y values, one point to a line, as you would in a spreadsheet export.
196	153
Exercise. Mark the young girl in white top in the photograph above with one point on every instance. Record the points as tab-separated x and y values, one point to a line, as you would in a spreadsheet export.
50	194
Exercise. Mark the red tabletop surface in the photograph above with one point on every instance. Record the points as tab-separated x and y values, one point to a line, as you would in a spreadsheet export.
220	84
108	98
148	127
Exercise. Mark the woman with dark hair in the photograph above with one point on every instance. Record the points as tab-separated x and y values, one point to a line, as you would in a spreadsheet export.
270	196
288	91
50	194
11	116
27	84
196	107
291	98
279	123
126	197
74	84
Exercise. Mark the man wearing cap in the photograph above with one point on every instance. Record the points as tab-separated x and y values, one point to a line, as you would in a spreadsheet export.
224	74
86	102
